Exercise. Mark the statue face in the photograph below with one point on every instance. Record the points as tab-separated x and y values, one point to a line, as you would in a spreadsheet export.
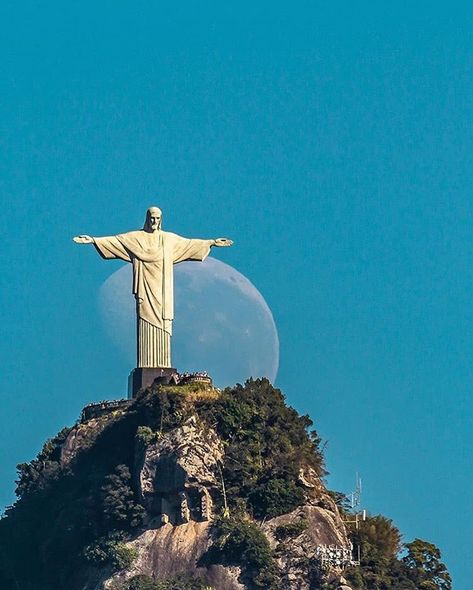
153	219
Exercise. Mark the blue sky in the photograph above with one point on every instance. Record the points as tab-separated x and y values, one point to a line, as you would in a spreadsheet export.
333	141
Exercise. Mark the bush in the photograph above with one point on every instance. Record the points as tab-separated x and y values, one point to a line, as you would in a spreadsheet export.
145	435
42	471
275	496
262	434
179	582
120	511
140	583
242	543
63	514
424	566
381	567
111	551
291	530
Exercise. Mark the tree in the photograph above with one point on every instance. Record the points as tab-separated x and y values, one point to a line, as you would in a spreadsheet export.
380	542
119	507
425	568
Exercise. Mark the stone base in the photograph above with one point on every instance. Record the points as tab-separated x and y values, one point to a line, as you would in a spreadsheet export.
143	377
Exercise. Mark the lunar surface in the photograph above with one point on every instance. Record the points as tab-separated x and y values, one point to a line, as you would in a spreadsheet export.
222	322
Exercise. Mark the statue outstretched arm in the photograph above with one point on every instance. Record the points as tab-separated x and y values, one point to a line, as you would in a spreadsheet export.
222	242
194	248
83	239
108	247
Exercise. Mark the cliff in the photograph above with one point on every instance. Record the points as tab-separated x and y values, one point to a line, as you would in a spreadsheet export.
215	489
190	488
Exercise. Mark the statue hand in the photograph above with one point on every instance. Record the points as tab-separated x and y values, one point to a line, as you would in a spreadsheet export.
83	240
223	242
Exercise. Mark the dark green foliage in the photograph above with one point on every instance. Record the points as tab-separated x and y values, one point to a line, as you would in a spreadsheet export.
179	582
139	583
162	409
379	537
111	550
317	576
144	435
241	542
119	509
275	495
342	502
60	511
379	542
266	445
426	569
40	472
291	530
56	517
266	442
382	569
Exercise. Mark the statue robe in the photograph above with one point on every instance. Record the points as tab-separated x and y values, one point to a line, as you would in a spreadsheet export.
153	255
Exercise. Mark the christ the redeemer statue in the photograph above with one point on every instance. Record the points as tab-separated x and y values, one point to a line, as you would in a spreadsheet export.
153	252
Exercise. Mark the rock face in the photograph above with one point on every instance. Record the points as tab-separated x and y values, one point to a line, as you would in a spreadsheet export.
321	527
178	474
170	549
81	438
222	487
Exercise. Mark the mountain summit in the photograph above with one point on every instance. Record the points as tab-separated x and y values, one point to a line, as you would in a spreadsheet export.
187	488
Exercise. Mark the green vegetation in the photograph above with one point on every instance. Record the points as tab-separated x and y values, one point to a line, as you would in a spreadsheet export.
291	530
111	550
64	509
179	582
266	444
119	509
192	391
138	583
382	564
241	542
425	569
40	472
65	515
145	436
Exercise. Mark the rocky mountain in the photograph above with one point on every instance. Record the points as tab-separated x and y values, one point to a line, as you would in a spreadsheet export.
181	488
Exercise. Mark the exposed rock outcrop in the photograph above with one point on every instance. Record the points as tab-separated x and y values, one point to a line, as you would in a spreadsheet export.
170	549
223	487
178	474
317	526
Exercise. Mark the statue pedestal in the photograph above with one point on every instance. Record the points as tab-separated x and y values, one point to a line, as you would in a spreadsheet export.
143	377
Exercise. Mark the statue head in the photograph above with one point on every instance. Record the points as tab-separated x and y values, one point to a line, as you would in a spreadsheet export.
153	219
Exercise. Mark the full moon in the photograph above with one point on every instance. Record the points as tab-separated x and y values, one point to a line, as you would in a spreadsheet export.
222	323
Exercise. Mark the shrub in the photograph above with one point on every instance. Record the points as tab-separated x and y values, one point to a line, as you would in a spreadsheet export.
120	511
111	551
40	472
145	435
262	434
424	566
240	542
275	496
381	567
140	583
291	530
179	582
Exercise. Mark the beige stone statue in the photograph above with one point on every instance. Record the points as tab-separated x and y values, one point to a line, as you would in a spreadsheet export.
153	252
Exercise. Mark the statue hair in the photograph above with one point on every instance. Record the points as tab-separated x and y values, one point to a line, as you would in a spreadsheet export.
147	226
